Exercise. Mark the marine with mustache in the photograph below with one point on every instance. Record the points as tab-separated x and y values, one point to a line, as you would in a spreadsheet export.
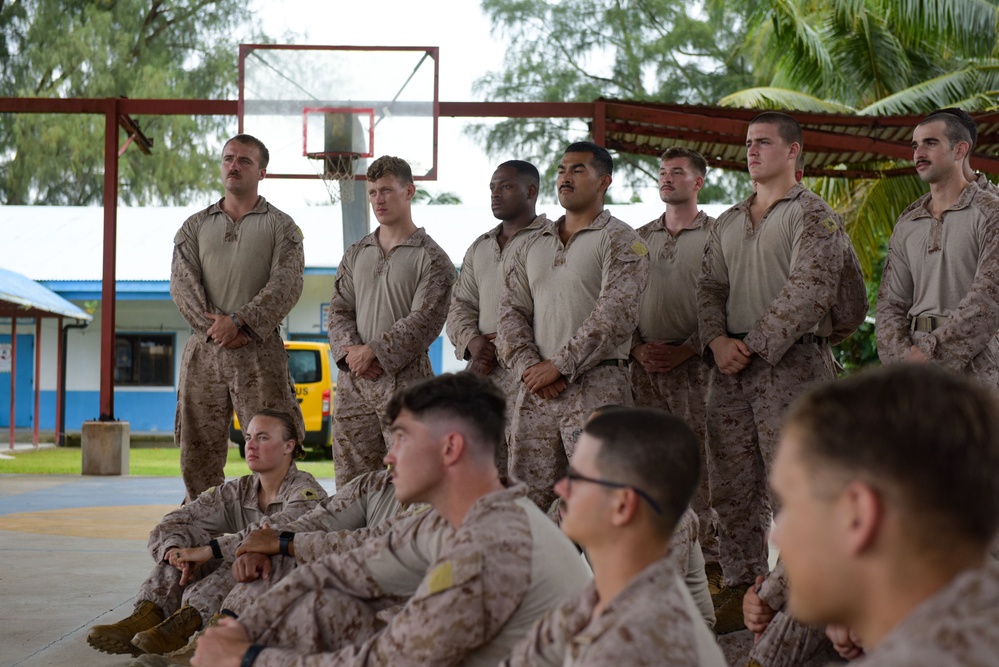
568	310
238	270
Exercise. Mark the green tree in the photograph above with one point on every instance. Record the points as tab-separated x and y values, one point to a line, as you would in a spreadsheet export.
112	48
581	50
433	198
871	57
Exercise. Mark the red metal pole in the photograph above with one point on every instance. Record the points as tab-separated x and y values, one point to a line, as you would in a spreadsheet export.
600	123
110	247
38	379
13	375
60	352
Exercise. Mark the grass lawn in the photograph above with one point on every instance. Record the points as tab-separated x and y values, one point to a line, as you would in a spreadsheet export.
143	462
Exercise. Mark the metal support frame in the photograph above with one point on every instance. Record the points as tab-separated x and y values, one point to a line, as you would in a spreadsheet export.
13	375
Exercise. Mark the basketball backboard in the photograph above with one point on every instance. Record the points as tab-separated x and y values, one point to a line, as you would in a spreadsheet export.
306	102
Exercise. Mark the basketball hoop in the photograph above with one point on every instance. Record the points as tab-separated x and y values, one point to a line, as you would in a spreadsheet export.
337	172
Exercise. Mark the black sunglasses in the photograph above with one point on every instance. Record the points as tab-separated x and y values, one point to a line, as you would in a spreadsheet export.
574	476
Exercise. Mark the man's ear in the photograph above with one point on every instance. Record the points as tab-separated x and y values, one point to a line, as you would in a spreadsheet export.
410	191
863	518
625	506
454	447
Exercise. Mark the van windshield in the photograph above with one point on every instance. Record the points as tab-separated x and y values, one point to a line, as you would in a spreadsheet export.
305	366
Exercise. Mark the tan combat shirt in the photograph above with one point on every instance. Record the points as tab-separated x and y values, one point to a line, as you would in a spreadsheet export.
231	508
668	311
957	626
945	268
395	303
253	267
475	589
796	273
475	303
652	621
367	500
574	304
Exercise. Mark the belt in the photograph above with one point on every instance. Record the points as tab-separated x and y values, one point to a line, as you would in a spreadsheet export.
616	363
926	323
806	339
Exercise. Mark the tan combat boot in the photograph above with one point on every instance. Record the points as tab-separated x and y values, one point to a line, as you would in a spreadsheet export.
716	580
117	637
728	609
171	634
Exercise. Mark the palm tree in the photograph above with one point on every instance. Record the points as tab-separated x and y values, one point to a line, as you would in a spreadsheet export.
872	57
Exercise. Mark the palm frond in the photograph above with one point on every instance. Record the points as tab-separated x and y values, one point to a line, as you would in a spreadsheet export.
781	98
965	27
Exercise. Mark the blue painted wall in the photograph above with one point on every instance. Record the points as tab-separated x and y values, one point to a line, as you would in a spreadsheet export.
143	410
25	385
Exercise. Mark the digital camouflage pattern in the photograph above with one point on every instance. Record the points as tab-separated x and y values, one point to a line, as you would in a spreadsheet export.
396	304
948	269
253	267
474	591
652	621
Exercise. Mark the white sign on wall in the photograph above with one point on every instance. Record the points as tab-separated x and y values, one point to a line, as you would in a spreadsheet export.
5	357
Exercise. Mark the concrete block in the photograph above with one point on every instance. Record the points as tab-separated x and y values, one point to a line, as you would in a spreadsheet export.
105	448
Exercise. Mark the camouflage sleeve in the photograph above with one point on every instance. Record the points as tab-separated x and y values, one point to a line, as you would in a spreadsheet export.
194	524
342	321
615	313
300	494
810	289
312	543
892	331
391	565
712	290
969	328
773	590
851	305
263	314
463	318
412	335
688	559
185	280
515	344
546	643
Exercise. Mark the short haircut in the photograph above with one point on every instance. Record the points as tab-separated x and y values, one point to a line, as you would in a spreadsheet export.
959	126
474	400
250	140
927	438
388	165
601	156
695	159
289	426
523	168
651	450
787	127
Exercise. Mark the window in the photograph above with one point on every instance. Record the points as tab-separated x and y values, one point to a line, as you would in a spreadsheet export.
305	366
144	360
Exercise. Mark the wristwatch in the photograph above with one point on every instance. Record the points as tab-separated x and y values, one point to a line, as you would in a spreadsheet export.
284	540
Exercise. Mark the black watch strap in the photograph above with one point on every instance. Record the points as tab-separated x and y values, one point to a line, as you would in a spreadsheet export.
284	540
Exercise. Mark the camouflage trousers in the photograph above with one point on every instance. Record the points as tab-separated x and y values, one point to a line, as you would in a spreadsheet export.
214	381
213	581
361	437
744	419
506	380
786	642
544	432
683	392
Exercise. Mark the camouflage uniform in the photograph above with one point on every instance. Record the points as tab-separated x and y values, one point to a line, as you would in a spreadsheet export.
668	314
396	304
957	626
786	642
475	590
984	183
947	270
575	305
779	286
685	552
252	267
335	525
652	621
475	304
228	508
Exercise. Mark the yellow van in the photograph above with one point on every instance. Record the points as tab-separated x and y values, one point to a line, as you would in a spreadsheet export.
311	366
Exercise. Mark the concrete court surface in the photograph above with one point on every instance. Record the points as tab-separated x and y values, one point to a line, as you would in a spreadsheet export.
72	555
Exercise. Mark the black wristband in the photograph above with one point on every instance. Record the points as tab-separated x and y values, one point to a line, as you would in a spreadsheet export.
216	549
251	655
284	540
